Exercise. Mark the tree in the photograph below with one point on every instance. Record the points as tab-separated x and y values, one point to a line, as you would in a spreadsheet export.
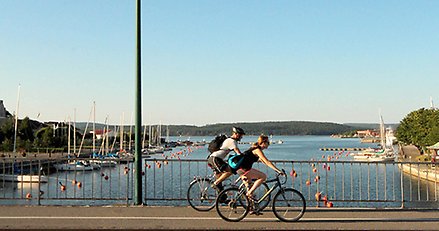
420	128
25	130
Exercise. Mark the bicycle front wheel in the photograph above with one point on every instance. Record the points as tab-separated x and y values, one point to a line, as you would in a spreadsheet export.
235	207
289	205
200	195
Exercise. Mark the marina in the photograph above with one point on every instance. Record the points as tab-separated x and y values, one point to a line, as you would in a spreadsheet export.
165	177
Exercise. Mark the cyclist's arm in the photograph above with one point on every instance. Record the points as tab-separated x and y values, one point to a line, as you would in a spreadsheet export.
264	160
237	151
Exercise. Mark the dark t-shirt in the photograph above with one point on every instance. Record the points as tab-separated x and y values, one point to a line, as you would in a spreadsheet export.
249	159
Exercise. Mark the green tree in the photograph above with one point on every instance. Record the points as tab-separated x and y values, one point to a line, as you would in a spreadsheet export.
420	128
25	130
7	145
7	128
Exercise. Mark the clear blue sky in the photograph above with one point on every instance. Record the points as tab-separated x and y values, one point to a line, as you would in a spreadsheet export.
206	62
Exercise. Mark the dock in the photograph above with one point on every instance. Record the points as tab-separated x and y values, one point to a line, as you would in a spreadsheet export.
341	149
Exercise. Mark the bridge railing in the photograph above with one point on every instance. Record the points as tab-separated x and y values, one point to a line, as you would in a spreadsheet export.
165	182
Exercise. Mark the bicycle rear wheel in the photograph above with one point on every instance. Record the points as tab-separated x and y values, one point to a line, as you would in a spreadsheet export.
200	195
289	205
235	208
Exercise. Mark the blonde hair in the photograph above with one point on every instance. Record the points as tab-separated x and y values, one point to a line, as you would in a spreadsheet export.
261	139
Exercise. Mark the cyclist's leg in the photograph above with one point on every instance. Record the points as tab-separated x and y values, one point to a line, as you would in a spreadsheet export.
260	178
221	166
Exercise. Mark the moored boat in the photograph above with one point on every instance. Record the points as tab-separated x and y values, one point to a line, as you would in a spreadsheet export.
24	178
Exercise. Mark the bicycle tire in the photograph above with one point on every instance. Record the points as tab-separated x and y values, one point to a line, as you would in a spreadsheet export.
200	195
289	205
237	204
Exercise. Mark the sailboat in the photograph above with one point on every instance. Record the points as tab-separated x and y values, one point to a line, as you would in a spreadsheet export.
17	175
383	154
74	165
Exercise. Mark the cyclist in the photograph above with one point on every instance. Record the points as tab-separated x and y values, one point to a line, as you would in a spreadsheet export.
217	162
252	155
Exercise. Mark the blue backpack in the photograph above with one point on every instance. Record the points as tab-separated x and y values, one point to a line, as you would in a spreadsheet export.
235	161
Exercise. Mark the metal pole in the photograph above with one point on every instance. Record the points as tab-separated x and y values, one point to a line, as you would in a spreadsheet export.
138	154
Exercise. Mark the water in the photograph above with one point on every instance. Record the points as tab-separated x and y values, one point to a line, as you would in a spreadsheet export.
167	184
293	148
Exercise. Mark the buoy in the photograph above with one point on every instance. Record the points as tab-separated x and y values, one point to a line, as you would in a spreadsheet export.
295	174
324	165
314	170
292	172
28	196
143	173
323	156
318	177
79	184
329	205
308	182
63	188
73	182
329	168
106	177
313	165
102	174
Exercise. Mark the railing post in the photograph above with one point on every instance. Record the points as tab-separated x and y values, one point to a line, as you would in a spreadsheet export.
402	186
39	182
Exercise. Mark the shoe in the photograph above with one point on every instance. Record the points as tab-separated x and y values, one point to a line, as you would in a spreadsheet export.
225	202
257	213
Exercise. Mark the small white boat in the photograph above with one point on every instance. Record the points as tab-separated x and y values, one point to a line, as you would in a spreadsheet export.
24	178
103	163
375	155
79	165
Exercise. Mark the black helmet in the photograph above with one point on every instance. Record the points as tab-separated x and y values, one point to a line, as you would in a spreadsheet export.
238	130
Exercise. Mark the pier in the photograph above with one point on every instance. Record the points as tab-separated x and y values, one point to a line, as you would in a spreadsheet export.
341	149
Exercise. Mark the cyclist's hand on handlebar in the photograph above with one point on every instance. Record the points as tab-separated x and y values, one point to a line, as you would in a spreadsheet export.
282	173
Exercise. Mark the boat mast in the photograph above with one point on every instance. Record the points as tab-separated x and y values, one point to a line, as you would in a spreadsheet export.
16	119
74	130
121	131
68	140
149	136
131	130
144	137
94	126
382	133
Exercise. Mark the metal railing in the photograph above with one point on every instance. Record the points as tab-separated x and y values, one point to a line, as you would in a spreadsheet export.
165	182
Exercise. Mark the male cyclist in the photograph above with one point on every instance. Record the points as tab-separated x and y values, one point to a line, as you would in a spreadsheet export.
217	160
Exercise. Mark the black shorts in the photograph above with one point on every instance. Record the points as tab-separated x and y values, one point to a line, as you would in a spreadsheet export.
218	165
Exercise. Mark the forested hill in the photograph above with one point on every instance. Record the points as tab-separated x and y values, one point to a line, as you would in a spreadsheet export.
268	128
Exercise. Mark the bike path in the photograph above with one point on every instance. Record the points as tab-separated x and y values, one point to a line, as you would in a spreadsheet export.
185	218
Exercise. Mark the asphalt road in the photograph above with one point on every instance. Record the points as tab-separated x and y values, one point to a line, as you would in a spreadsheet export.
185	218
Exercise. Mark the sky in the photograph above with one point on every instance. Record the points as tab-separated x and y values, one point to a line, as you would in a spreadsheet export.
207	62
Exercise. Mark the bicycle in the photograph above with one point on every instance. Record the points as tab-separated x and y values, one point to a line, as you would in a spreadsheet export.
202	197
288	204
